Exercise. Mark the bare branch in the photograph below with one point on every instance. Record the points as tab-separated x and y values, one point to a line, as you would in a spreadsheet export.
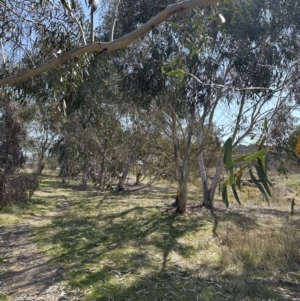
239	116
113	23
80	28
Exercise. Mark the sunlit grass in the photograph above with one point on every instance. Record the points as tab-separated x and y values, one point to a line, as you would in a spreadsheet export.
5	298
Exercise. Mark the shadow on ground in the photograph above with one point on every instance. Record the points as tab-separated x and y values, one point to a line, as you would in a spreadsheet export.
121	247
25	271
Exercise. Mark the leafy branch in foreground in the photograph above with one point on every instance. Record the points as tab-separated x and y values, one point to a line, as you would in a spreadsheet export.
256	166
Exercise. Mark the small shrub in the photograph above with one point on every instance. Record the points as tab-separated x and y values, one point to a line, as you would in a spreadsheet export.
17	189
14	187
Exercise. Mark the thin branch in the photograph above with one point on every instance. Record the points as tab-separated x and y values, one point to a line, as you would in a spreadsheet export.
3	52
187	146
178	121
80	28
113	23
232	87
239	116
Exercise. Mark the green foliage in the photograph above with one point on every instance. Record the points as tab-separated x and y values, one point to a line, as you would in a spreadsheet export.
227	149
224	193
250	157
198	43
14	187
236	196
175	72
257	184
256	161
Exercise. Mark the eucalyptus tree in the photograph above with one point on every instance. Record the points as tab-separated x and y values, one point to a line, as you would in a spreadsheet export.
91	131
170	107
229	66
241	68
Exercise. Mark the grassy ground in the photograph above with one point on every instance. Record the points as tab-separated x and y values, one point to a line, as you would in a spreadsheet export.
133	246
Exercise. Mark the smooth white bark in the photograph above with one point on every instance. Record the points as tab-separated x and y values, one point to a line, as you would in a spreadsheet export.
113	23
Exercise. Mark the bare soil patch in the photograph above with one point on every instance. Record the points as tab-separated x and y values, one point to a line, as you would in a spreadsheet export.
26	272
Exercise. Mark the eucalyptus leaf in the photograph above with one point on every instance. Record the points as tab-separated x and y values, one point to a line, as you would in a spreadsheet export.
227	148
257	184
176	72
250	157
224	194
236	196
262	178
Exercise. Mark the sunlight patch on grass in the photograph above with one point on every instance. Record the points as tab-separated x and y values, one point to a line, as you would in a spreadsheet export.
8	219
5	298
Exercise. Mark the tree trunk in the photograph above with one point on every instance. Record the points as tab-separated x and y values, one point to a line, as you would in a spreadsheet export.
120	184
215	181
208	201
41	163
63	172
84	179
208	193
175	204
63	178
122	178
181	197
101	179
138	178
40	168
182	166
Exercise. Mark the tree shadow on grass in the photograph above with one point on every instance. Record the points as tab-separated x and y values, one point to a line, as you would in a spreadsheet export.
23	269
115	243
244	217
120	250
